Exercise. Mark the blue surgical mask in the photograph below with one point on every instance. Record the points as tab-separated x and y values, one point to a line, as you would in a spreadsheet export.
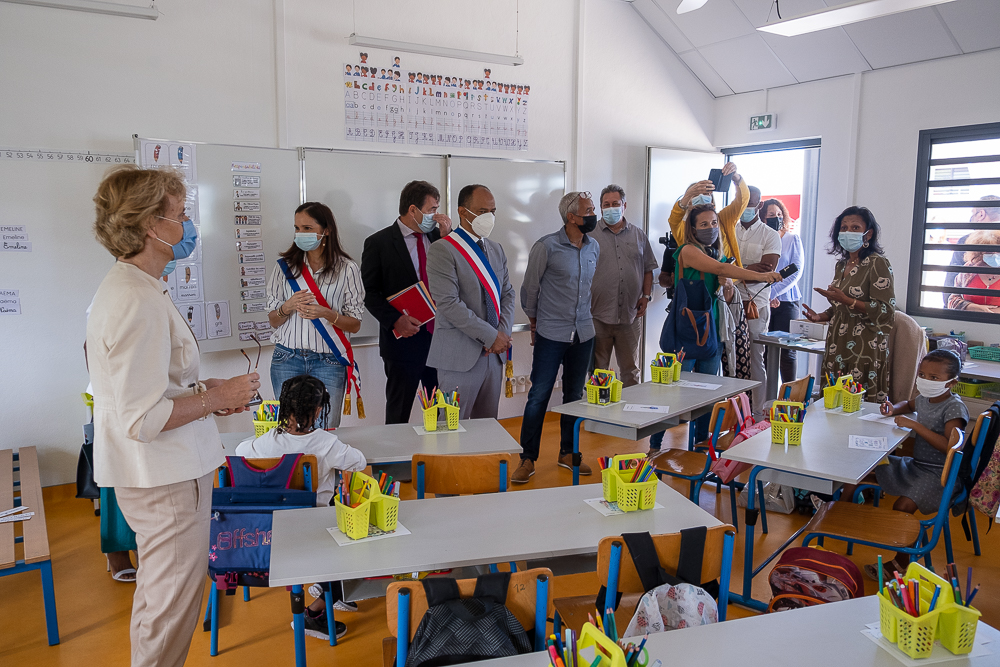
427	224
186	245
613	215
169	268
699	200
851	241
307	240
993	259
748	214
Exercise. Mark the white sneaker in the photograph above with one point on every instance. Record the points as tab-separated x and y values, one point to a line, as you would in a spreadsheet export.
343	605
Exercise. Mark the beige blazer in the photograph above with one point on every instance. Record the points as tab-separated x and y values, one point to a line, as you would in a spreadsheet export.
142	354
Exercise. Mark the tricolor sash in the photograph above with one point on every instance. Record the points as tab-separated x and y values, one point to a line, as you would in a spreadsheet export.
339	345
474	255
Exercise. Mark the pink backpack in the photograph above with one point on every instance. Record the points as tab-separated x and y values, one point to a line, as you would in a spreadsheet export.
725	469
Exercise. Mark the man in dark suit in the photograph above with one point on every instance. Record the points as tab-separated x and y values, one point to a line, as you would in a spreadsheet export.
393	259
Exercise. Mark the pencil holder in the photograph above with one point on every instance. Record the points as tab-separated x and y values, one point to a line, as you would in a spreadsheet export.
604	395
831	397
262	427
677	371
354	521
952	624
663	374
431	414
612	654
780	428
852	402
629	496
384	512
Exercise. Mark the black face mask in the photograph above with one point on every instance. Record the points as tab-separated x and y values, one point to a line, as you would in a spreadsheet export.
773	222
589	223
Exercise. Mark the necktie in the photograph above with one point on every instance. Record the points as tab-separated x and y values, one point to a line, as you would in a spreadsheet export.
422	261
491	313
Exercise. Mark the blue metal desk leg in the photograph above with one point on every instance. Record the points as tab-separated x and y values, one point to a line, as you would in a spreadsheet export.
576	451
49	595
299	624
746	599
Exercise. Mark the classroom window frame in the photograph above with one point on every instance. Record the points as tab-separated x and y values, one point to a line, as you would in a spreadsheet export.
921	204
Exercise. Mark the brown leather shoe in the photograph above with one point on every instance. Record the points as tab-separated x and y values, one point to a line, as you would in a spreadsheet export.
566	461
524	471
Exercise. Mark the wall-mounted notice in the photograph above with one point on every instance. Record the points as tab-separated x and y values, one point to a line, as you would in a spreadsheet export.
388	105
217	314
249	233
16	246
242	205
194	313
10	302
252	167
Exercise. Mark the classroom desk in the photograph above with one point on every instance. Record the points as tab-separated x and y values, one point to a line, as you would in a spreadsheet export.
827	635
394	443
773	370
981	370
685	405
461	531
823	455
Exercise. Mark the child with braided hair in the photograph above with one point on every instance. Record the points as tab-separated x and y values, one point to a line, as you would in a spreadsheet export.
305	404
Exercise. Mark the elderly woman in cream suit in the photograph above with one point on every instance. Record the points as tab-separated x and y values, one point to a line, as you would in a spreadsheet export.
155	439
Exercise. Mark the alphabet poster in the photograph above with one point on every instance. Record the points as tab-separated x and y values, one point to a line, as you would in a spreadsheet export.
388	105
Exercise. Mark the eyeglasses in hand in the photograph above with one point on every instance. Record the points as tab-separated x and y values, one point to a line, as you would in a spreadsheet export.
256	400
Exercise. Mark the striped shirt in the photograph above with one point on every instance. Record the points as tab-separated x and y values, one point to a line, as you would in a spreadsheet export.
344	291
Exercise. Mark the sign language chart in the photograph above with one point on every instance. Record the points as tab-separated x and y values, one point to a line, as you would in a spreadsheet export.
388	105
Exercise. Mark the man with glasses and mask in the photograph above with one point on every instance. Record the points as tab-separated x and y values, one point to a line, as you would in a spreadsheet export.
555	295
475	307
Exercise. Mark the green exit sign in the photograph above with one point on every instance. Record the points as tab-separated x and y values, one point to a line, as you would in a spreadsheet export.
765	122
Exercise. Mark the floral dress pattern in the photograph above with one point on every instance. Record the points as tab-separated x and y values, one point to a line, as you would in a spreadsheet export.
857	343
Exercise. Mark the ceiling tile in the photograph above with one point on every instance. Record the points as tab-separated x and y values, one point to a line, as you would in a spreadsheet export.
715	84
817	55
717	21
746	64
902	38
974	23
663	26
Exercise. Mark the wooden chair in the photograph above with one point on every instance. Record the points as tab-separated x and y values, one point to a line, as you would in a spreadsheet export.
529	598
617	573
799	390
303	478
887	528
454	475
26	492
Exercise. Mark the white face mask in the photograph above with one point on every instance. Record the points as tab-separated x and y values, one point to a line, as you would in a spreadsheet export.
483	224
932	388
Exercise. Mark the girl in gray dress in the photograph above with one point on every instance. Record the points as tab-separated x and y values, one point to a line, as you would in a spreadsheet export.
917	480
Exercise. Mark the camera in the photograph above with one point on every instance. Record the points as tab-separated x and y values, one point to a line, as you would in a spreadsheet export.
668	263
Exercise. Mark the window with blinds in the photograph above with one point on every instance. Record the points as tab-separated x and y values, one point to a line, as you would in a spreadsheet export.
955	251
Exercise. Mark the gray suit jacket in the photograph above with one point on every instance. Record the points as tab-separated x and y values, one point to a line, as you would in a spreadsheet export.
460	327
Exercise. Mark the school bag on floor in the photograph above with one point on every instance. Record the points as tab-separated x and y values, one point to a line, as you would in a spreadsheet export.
240	529
725	469
807	576
456	630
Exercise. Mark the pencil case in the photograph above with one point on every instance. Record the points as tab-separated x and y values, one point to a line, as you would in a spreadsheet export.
610	393
852	402
950	623
629	496
663	374
612	654
779	429
262	427
431	414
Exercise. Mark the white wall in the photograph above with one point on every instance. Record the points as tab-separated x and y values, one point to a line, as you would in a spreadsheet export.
869	124
267	73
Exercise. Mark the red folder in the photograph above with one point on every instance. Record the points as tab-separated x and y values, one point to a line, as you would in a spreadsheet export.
414	301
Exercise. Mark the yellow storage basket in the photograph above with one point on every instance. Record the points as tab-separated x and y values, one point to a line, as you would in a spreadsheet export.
852	402
614	388
663	374
262	427
629	496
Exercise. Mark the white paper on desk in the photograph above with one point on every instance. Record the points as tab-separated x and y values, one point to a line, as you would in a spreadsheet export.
878	419
697	385
611	509
373	534
11	518
638	407
969	364
938	653
441	429
871	443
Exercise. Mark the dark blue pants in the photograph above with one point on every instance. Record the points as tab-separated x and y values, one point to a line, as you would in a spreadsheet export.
709	367
546	358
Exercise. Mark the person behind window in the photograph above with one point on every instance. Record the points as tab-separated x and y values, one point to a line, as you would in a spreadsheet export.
862	305
984	214
785	295
987	281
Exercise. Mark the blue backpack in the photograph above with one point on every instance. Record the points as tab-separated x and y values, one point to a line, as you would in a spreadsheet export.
240	543
690	324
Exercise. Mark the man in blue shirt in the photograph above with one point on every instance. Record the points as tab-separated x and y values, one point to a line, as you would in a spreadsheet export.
555	295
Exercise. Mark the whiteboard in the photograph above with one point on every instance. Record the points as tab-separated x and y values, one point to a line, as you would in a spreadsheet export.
362	189
527	194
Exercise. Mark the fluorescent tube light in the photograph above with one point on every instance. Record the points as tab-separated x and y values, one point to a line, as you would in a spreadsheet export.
429	50
94	7
851	12
690	5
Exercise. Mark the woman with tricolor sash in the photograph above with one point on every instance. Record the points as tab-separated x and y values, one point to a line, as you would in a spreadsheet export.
316	300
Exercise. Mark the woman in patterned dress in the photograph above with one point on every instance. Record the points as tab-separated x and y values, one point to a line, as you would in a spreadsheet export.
862	305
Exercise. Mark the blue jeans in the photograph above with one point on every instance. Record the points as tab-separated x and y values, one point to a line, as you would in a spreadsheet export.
546	358
708	367
287	363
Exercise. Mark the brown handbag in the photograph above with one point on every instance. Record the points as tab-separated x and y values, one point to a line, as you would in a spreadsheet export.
750	309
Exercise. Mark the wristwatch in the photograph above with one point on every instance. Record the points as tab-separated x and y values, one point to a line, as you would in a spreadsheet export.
647	297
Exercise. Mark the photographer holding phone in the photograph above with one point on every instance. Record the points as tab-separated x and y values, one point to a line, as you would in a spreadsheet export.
785	295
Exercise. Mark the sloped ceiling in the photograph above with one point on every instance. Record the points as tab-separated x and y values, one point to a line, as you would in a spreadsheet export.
722	47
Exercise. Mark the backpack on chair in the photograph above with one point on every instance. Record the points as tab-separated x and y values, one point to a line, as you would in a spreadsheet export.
807	576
